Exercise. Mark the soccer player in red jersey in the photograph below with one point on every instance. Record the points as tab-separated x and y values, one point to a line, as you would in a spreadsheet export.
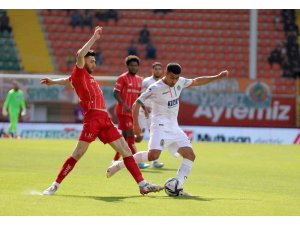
127	89
96	121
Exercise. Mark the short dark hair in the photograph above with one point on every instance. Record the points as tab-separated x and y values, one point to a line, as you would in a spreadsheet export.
174	68
156	64
90	53
132	58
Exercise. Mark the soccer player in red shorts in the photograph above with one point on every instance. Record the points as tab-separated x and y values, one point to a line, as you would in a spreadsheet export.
96	121
127	90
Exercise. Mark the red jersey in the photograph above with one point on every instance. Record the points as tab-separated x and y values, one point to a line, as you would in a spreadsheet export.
87	89
129	87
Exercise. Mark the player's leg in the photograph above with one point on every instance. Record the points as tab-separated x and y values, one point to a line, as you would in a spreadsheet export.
123	126
143	156
12	116
126	125
109	134
187	163
15	121
182	145
67	166
89	133
129	162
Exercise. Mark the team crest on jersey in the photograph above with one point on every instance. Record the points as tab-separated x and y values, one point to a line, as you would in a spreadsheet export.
178	88
162	142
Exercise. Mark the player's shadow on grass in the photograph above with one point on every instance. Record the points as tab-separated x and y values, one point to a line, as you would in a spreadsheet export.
104	198
196	198
153	170
121	198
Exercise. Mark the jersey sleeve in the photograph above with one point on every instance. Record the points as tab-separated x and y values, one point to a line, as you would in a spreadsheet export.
76	73
148	94
119	84
186	82
7	100
144	85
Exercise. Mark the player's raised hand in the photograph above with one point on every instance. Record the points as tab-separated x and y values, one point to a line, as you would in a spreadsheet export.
47	81
98	32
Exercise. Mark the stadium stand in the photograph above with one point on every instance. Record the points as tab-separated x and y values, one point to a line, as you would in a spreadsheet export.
9	59
203	41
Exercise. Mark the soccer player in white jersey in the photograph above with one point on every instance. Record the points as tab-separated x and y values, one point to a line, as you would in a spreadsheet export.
144	121
164	131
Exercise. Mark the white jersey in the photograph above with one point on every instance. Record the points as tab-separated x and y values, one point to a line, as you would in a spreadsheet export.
143	121
164	101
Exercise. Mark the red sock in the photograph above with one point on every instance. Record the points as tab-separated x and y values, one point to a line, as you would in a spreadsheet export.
133	168
130	142
117	156
65	169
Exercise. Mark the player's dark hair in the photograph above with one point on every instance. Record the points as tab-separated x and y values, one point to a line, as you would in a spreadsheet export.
132	58
156	64
90	53
174	68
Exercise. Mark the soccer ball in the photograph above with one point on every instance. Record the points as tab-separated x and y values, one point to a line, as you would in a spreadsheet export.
173	187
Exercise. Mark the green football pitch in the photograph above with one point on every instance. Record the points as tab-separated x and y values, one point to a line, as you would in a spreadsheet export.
226	179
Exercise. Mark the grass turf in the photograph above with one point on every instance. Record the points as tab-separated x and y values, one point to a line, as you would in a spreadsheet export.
226	179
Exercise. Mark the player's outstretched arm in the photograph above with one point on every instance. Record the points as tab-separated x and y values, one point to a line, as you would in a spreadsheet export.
207	79
59	81
84	50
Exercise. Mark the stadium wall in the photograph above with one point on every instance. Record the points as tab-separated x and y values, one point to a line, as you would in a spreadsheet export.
195	133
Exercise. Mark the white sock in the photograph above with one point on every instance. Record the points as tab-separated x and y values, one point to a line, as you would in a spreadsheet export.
56	184
139	157
142	183
184	170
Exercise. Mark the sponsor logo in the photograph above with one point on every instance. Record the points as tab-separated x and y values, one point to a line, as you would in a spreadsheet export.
178	88
162	142
165	92
275	112
223	138
258	94
173	103
60	134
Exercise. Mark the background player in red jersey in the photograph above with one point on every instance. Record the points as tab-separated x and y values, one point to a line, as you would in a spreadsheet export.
127	89
96	121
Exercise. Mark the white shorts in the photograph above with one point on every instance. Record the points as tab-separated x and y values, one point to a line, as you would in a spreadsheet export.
172	141
144	122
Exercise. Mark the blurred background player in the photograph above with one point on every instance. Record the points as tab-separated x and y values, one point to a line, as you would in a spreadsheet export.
13	104
127	89
165	131
144	121
96	122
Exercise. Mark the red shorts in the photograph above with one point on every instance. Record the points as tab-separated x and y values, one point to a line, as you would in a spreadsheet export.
97	123
125	122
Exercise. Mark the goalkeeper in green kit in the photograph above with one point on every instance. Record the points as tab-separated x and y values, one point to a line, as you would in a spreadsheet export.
12	105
